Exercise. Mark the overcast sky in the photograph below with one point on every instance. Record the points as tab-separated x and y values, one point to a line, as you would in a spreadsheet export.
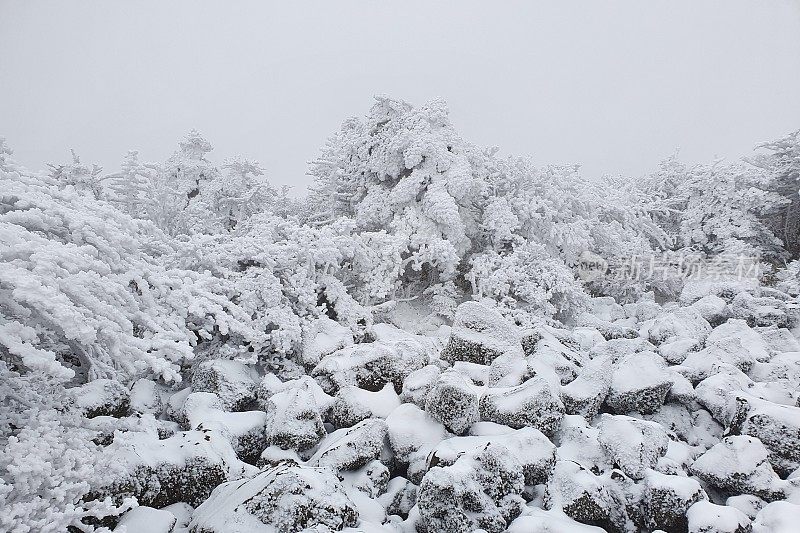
613	86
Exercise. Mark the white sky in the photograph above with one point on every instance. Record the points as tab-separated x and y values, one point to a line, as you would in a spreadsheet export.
615	86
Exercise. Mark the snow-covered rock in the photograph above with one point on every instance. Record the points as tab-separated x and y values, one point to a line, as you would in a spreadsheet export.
369	366
579	442
635	445
529	446
351	448
739	465
556	349
411	429
480	334
294	421
760	311
284	499
533	404
676	351
102	397
777	517
747	503
454	401
399	497
716	392
680	323
246	430
553	521
707	517
232	381
585	497
776	426
736	336
352	405
183	468
418	384
713	308
639	384
323	337
481	490
586	393
667	498
145	519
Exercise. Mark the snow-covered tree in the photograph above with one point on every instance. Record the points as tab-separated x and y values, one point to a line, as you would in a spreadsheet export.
133	187
781	160
77	176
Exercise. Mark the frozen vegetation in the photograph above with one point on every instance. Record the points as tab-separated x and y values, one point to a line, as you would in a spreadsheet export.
436	339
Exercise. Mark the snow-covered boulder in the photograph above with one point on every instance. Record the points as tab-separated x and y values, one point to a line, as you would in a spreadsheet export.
412	434
760	311
585	497
609	330
351	448
640	384
284	499
232	381
586	393
676	351
102	397
352	405
579	442
323	337
736	336
739	465
245	430
666	500
779	339
699	365
418	384
369	366
555	348
536	519
529	446
510	371
747	503
713	308
532	404
635	445
716	392
372	479
777	517
707	517
294	421
145	519
183	468
399	497
481	490
453	401
480	334
776	426
270	385
680	323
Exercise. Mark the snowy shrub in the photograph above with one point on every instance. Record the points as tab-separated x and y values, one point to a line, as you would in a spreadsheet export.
82	284
48	462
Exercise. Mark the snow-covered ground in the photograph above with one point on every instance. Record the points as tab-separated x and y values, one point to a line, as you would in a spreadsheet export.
674	417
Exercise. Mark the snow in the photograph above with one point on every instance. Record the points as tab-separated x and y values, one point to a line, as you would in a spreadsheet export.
705	516
411	347
145	519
